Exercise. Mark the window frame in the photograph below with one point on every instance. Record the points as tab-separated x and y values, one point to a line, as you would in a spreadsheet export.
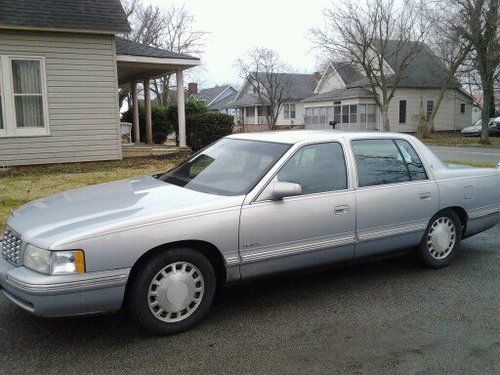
273	177
405	111
355	164
287	111
427	113
8	96
462	105
3	130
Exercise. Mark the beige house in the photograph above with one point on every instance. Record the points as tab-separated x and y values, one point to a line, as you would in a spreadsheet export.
61	65
343	95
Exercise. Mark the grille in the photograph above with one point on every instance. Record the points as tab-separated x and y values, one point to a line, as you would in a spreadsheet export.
11	246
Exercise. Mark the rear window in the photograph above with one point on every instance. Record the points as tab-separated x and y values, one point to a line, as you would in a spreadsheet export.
386	161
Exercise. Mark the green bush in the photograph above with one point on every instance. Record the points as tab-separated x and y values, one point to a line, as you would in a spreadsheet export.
207	127
161	122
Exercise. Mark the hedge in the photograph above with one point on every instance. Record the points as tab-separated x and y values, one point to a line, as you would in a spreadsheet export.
206	128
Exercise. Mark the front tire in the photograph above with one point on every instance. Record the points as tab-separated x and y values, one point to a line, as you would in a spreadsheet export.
441	241
172	291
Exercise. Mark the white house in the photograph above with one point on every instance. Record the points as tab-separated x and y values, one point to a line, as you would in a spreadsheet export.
342	94
251	113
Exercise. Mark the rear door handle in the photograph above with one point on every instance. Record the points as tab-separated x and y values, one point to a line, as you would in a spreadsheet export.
342	210
425	196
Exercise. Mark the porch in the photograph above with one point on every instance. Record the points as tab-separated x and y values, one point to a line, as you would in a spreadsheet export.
138	64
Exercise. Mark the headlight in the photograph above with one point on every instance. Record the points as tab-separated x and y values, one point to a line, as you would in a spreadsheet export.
54	262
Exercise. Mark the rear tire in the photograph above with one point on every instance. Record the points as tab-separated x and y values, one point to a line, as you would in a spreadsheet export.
172	291
441	241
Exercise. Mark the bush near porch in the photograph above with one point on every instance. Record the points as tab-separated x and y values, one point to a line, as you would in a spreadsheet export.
163	118
202	125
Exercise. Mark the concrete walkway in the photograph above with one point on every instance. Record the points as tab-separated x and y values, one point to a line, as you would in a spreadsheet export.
488	154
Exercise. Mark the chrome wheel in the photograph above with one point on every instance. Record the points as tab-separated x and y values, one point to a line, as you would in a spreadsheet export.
176	292
441	238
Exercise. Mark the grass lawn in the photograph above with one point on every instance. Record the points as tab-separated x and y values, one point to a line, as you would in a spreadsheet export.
456	139
481	164
24	184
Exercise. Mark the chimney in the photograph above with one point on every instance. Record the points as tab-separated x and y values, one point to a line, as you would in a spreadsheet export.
192	88
317	76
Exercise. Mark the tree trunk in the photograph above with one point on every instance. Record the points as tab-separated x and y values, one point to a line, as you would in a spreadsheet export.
488	98
384	113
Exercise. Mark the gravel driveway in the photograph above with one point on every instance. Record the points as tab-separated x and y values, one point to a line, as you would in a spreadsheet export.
389	316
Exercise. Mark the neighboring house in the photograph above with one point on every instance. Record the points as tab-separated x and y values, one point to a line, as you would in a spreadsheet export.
252	113
218	98
60	68
343	95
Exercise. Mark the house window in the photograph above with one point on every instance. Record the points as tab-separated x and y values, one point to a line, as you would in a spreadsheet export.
1	101
250	111
430	108
353	114
402	111
23	97
337	112
371	111
345	114
288	111
462	107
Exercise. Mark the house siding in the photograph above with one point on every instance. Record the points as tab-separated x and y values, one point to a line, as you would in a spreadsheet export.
447	118
82	98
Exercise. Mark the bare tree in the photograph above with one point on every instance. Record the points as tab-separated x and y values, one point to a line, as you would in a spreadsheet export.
269	78
448	44
171	29
478	22
370	33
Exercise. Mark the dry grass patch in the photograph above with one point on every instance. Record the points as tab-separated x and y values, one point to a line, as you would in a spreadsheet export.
24	184
456	139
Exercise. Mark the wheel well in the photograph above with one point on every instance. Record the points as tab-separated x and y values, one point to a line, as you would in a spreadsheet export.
210	251
462	215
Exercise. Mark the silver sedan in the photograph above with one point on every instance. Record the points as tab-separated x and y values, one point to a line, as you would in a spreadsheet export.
247	206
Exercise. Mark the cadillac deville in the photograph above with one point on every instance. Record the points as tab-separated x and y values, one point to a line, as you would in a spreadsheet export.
246	206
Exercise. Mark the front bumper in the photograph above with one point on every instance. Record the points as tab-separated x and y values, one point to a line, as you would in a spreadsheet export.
63	295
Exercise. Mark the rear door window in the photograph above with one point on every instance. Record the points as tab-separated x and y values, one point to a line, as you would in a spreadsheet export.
379	162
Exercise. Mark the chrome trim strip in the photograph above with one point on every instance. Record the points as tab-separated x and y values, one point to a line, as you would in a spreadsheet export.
299	249
379	233
483	211
68	287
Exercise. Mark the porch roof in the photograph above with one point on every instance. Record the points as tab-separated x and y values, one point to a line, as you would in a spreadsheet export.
354	92
136	61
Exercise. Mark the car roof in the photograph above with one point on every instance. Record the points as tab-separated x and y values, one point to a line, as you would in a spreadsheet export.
299	136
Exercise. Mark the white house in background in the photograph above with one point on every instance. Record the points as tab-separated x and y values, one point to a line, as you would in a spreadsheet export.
251	113
343	95
217	98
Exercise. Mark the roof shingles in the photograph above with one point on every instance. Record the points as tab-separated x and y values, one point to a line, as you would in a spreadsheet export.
77	15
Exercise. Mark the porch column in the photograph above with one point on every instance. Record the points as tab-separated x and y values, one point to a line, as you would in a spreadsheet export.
147	106
256	121
135	118
181	111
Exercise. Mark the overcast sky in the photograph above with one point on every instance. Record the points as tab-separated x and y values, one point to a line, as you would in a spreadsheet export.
237	25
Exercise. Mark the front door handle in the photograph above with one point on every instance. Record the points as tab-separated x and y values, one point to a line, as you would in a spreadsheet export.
425	196
342	210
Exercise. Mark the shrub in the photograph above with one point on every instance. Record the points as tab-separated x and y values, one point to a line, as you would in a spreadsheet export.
207	127
161	122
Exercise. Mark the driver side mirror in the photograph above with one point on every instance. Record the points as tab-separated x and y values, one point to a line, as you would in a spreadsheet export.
281	190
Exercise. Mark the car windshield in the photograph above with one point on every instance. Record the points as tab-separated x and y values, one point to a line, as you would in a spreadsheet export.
228	167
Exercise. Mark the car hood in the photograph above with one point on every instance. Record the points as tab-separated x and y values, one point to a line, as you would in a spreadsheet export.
471	129
98	209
